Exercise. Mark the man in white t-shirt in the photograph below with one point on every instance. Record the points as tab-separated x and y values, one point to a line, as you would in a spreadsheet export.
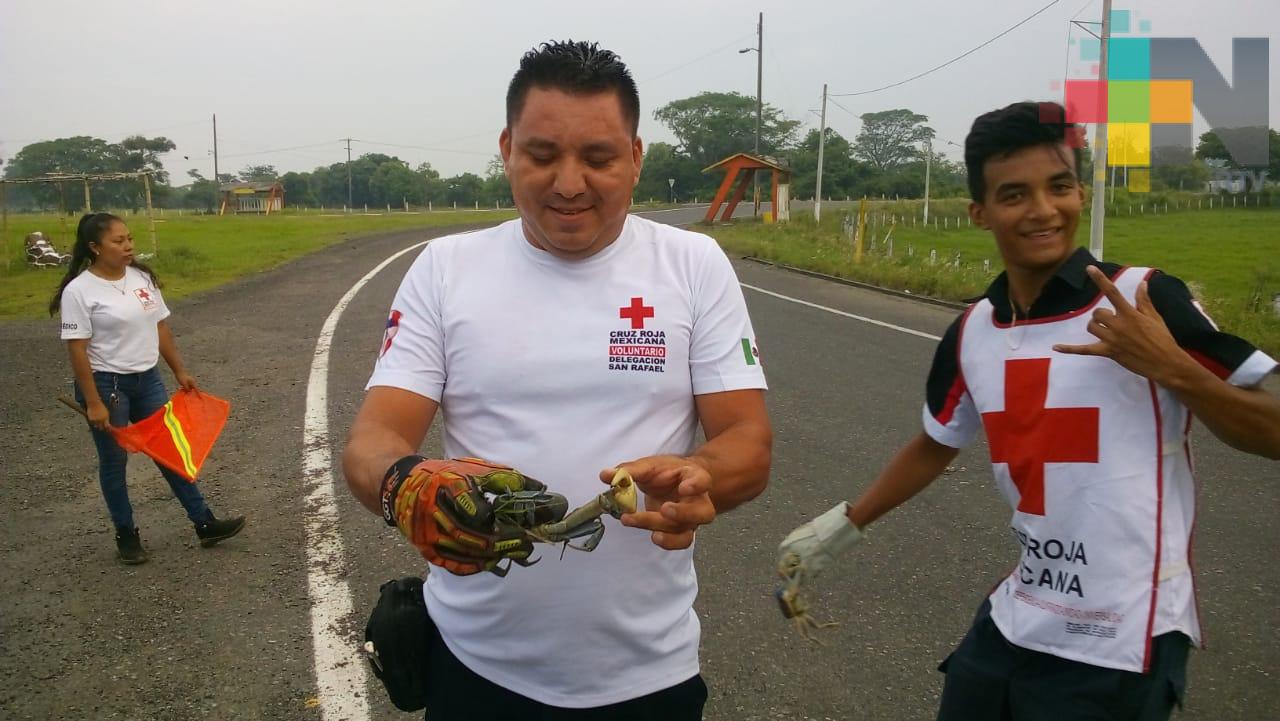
574	339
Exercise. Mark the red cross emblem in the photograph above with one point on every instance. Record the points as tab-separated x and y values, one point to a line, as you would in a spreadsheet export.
143	294
636	312
1026	435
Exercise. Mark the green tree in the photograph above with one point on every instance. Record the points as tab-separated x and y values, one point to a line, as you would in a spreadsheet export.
463	189
141	153
77	155
662	162
297	189
1211	147
434	189
329	185
1181	176
496	187
201	194
889	138
394	183
259	173
842	174
712	126
84	155
946	178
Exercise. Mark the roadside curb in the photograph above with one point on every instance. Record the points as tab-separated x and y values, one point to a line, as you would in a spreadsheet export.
859	284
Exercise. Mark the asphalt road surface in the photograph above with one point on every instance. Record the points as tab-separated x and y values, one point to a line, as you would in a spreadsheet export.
226	633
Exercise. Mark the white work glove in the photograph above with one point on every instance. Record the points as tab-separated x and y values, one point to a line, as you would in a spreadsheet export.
816	544
805	552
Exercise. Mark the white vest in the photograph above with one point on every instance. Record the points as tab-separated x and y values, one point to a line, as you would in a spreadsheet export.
1088	454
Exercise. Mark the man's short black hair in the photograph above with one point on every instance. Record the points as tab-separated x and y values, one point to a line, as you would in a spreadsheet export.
579	68
1000	133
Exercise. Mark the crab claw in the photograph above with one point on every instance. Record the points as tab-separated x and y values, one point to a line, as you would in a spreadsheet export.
788	594
623	497
792	603
593	530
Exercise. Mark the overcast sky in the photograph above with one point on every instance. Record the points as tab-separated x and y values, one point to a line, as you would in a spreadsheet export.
432	74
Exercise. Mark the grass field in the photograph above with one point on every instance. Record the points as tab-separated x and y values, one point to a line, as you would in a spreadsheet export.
198	252
1230	256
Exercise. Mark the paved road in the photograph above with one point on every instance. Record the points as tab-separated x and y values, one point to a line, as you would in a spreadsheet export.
224	633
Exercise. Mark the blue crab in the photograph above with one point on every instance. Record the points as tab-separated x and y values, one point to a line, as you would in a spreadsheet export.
521	508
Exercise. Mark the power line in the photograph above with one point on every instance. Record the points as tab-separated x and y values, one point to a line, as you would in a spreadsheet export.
482	133
1066	61
782	79
838	105
103	136
682	66
276	150
1086	7
316	157
422	147
1022	22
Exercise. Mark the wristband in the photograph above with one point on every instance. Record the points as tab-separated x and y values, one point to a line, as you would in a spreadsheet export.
396	476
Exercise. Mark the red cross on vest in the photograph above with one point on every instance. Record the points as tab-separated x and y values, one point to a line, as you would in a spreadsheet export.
143	294
1026	435
637	312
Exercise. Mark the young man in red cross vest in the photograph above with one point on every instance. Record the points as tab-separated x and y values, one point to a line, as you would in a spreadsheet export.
1085	376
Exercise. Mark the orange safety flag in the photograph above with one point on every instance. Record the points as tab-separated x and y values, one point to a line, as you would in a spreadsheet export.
180	435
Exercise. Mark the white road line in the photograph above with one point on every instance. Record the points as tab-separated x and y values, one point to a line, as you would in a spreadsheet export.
340	674
864	319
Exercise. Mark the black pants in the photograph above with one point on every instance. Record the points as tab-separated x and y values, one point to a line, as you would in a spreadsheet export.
990	679
456	693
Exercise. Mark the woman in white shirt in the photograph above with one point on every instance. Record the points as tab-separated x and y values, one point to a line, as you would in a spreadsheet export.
113	319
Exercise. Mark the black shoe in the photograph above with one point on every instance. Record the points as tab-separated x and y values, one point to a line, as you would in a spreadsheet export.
129	546
216	530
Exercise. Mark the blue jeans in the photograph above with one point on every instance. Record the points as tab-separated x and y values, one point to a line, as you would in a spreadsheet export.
131	397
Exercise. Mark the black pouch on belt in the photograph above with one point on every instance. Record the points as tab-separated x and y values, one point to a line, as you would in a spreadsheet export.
397	642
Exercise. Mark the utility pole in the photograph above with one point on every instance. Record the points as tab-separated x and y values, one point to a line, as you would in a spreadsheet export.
822	143
755	177
1098	211
928	164
759	51
216	182
348	174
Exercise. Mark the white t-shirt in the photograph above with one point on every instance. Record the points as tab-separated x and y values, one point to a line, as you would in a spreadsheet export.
118	317
561	369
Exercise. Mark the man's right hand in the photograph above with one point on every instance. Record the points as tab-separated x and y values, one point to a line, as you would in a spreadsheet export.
440	506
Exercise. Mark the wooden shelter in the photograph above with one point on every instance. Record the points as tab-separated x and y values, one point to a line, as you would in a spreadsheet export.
746	165
258	196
